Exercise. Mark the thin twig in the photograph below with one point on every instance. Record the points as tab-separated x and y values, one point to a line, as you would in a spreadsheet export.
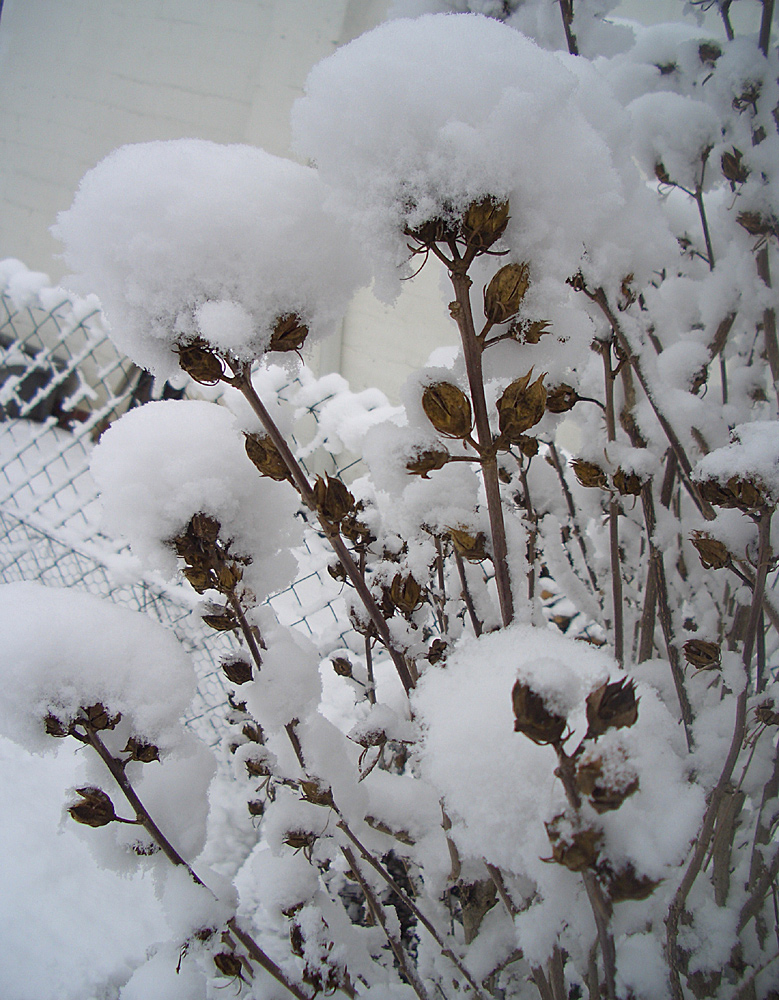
466	595
765	26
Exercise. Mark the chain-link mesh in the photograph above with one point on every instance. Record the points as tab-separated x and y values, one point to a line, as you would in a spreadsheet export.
61	383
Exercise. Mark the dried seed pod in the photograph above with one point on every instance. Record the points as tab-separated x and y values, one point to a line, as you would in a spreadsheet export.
662	174
468	545
589	474
503	295
229	964
448	409
562	398
317	793
736	493
356	530
709	53
204	527
228	576
627	483
236	669
757	224
405	593
342	666
256	807
441	230
427	461
521	407
626	884
703	655
437	651
733	169
533	719
224	622
257	767
712	552
289	333
99	717
765	714
575	845
54	727
611	706
266	457
333	499
95	809
141	750
606	781
484	222
253	733
200	362
198	578
530	333
300	839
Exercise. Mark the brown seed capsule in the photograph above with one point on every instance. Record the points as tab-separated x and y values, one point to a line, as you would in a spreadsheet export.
589	474
503	295
198	578
604	784
317	793
204	527
289	333
229	964
427	461
257	767
521	407
703	655
237	670
300	839
562	398
54	727
712	552
765	713
530	333
253	733
574	845
757	224
228	576
405	593
356	530
437	651
256	807
661	173
627	884
733	169
224	622
333	499
266	457
95	809
527	445
448	409
342	666
141	751
200	362
736	493
611	706
468	545
99	717
484	222
709	53
533	719
627	483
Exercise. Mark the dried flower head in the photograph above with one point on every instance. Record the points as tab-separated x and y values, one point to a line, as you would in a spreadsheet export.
94	809
703	655
333	500
469	545
200	362
141	750
626	884
533	719
237	669
405	593
427	461
484	222
712	552
611	706
562	398
521	407
606	779
264	454
627	483
575	844
448	409
289	333
589	474
504	294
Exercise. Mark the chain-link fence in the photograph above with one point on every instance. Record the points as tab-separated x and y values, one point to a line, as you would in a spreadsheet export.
61	383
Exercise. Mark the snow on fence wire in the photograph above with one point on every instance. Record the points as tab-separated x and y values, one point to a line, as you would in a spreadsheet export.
61	383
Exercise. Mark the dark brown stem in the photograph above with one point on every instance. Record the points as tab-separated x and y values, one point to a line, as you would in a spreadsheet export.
572	514
472	351
769	318
724	9
443	623
646	643
246	629
765	26
466	595
532	534
609	375
566	10
243	383
377	911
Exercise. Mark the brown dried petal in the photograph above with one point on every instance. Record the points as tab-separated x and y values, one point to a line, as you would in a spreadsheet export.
733	169
521	407
289	333
224	622
503	295
611	706
533	719
204	527
266	457
54	727
712	552
437	651
95	809
448	409
756	224
427	461
703	655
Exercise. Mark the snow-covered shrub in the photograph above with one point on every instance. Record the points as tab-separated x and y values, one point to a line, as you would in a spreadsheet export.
543	763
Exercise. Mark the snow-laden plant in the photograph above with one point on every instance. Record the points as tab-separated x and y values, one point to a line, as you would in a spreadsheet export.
540	758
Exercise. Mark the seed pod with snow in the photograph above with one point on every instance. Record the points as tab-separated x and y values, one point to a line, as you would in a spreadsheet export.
575	845
521	407
448	409
703	655
611	706
484	222
503	295
533	719
712	552
95	808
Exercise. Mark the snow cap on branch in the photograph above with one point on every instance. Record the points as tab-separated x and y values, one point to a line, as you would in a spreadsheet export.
188	238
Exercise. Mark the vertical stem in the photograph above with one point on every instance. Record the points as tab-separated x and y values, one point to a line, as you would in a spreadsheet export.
572	513
566	10
616	568
769	318
466	595
463	316
765	26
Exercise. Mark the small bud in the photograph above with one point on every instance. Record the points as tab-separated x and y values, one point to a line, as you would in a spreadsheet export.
484	222
266	457
237	670
533	719
503	295
95	809
200	362
521	407
611	706
448	409
405	593
289	334
562	398
589	474
427	461
702	655
627	884
662	174
333	499
342	666
627	483
467	545
229	964
141	751
575	845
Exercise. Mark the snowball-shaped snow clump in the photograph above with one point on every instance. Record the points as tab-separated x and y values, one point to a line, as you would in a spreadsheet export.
161	463
418	119
64	650
188	238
